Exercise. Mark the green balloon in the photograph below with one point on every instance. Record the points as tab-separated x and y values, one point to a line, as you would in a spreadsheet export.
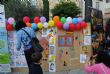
63	20
14	24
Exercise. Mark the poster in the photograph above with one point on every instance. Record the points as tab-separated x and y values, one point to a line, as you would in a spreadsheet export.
87	40
2	16
65	40
44	32
4	53
52	51
87	31
52	67
83	58
52	31
17	57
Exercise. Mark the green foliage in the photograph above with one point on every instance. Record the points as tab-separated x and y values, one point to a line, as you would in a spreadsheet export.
66	9
46	9
18	9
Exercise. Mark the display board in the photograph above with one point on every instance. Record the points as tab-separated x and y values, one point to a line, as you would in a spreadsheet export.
4	53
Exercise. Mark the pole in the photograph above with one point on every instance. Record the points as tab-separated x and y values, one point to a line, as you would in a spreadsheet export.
88	10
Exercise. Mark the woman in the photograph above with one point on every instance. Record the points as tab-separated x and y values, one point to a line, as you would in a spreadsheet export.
23	38
102	63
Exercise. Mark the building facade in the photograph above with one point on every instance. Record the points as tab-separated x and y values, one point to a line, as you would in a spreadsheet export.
104	6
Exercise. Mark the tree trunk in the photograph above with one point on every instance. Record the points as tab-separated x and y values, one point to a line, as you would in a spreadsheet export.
46	9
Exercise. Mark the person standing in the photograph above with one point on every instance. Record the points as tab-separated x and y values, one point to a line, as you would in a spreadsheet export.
23	39
36	66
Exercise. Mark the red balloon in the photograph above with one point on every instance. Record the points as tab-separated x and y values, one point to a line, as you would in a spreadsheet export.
71	27
83	24
78	26
59	25
9	27
36	20
26	19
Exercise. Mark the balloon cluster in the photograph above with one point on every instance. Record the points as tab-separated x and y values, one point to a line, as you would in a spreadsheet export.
70	24
10	24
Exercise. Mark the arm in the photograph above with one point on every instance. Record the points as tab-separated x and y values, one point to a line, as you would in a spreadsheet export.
18	44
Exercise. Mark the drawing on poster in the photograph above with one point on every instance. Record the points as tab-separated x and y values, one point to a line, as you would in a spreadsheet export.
65	40
87	40
61	41
52	67
69	41
82	58
52	50
52	31
52	41
44	32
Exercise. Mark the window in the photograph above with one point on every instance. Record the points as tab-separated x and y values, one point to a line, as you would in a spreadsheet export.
107	1
97	5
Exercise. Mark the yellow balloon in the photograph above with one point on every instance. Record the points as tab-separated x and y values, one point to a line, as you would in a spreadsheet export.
40	25
51	23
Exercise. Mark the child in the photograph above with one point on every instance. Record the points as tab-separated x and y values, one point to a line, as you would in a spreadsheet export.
101	65
36	67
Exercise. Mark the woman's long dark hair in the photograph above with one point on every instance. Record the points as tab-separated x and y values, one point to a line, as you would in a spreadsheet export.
103	56
19	25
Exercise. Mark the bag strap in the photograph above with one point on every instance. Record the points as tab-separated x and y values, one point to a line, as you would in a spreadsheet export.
103	69
26	33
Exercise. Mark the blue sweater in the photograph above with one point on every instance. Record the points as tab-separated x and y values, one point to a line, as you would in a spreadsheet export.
22	38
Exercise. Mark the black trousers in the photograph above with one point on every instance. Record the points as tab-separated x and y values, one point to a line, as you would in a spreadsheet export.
28	54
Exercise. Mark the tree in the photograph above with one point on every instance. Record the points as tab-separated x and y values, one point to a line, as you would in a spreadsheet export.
66	9
18	9
46	9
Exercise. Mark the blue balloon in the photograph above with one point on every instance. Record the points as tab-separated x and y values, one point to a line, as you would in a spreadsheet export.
75	20
34	26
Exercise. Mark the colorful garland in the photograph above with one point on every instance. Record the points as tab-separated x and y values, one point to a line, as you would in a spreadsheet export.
69	24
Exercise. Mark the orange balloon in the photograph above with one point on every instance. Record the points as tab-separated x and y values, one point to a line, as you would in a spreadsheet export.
28	24
56	19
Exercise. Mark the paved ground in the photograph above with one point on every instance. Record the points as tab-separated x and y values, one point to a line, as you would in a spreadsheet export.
64	72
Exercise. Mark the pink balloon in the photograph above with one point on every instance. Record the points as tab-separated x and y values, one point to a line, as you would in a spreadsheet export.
11	20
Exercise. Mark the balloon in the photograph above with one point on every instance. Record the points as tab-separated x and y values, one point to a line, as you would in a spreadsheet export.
9	27
56	19
42	19
34	26
83	24
28	24
51	23
26	19
63	19
71	27
40	25
59	25
66	26
11	20
77	26
45	25
14	24
80	20
75	20
69	20
36	20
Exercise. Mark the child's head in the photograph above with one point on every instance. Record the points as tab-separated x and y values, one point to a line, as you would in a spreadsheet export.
36	57
103	56
19	25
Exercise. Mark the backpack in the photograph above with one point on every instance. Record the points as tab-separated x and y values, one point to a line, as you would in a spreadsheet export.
35	43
